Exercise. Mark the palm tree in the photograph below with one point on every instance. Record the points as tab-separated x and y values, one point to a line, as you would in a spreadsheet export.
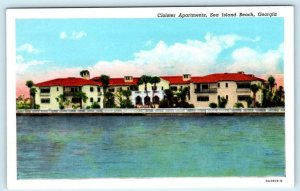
145	80
154	80
29	84
32	94
254	88
60	99
110	102
81	96
169	96
182	95
271	81
105	83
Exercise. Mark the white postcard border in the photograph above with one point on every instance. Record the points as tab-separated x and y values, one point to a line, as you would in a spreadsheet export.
202	182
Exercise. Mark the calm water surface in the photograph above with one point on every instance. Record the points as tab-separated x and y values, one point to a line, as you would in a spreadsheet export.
158	146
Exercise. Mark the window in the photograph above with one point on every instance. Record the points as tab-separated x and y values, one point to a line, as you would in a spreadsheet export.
111	89
47	100
74	89
202	98
45	90
204	86
99	99
185	76
243	97
219	97
98	89
127	78
91	89
162	88
227	97
91	100
243	85
174	88
75	100
218	85
226	85
57	89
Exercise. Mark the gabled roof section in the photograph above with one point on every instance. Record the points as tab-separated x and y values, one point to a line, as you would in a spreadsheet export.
119	81
175	80
68	82
237	77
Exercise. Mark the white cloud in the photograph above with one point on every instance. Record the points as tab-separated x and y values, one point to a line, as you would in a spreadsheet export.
62	35
27	48
72	36
253	61
193	56
22	65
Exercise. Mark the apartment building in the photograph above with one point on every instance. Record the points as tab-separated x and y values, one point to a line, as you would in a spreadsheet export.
203	90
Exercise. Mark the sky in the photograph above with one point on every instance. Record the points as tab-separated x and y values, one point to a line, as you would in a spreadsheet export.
54	48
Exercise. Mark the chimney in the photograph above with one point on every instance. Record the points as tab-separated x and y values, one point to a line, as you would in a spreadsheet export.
241	72
186	77
128	79
85	74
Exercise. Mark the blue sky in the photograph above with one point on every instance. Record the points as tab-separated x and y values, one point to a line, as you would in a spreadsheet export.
136	46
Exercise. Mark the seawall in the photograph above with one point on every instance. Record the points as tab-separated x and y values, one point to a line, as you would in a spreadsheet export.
156	111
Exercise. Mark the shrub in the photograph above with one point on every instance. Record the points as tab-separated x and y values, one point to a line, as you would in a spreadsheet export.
126	104
95	105
213	105
88	107
238	105
222	102
163	104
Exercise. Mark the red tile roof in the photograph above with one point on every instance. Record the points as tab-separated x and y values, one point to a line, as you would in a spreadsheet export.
68	82
175	79
118	81
213	78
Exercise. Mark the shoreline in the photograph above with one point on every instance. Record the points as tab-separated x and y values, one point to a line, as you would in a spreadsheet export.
156	112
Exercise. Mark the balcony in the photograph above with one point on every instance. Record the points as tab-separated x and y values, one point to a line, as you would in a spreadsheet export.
211	90
243	90
69	93
44	94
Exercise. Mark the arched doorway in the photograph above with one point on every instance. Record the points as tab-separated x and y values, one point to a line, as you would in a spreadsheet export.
138	100
156	100
147	100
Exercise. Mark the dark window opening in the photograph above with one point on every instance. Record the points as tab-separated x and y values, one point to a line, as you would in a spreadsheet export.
202	98
91	89
45	100
243	97
45	90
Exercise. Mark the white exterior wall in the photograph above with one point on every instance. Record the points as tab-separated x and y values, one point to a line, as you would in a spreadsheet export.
95	95
231	91
162	85
55	91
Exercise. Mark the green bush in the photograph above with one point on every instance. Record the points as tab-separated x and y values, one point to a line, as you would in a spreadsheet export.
238	105
213	105
126	104
95	105
163	104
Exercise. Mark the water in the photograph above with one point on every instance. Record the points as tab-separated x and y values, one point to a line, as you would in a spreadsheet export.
159	146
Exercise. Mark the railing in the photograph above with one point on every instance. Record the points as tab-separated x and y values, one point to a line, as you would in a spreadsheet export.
211	90
44	94
69	93
157	110
243	90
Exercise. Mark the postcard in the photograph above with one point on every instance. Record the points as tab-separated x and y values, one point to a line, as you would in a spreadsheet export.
150	97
